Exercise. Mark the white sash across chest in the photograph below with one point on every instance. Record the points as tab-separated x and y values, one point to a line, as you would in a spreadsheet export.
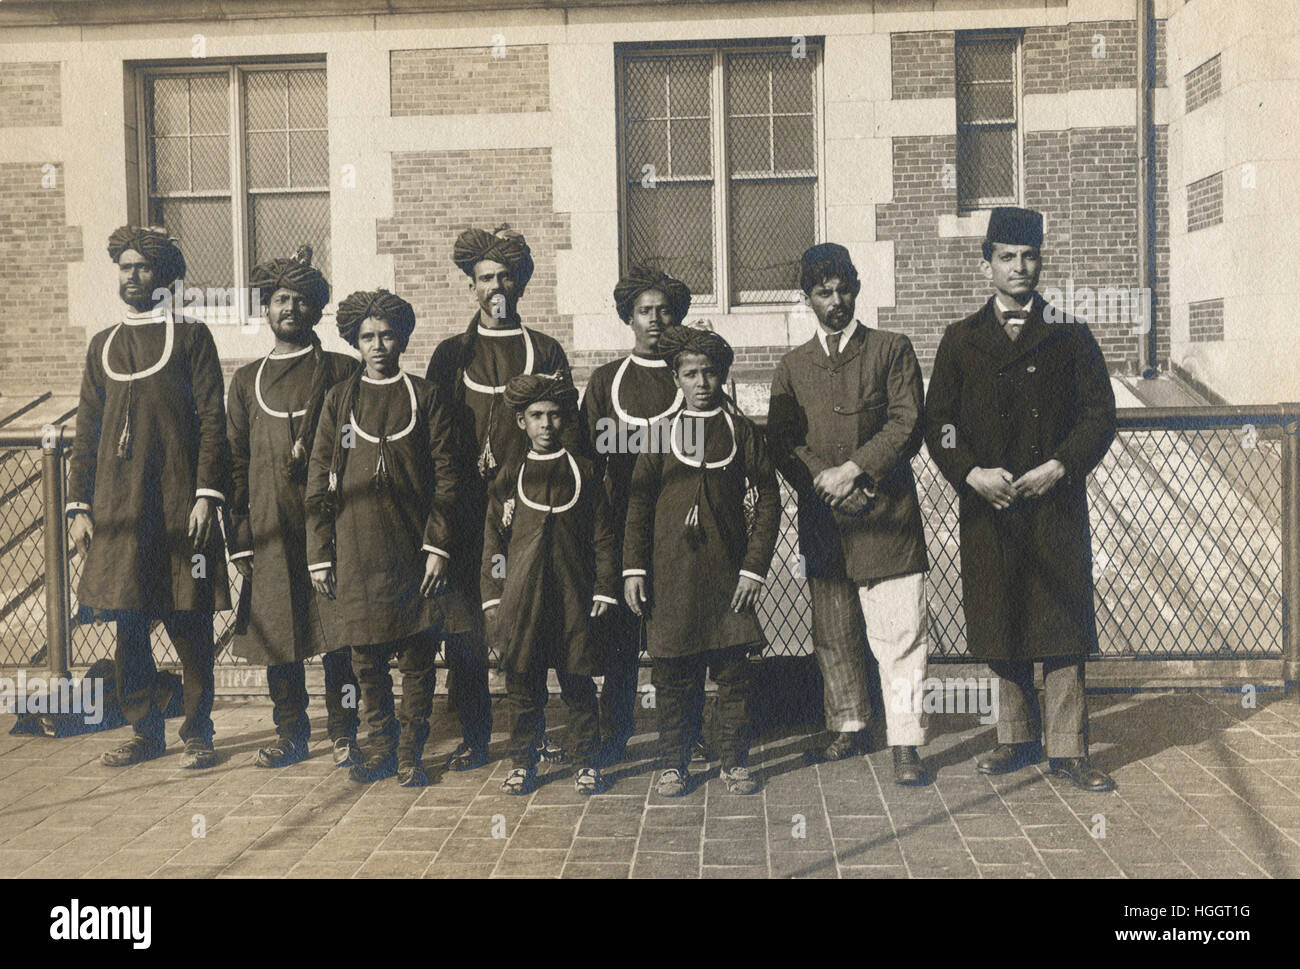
623	415
577	482
257	383
169	340
528	358
410	390
672	438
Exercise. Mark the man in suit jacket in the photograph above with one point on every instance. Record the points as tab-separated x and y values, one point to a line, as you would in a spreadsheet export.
1020	410
844	422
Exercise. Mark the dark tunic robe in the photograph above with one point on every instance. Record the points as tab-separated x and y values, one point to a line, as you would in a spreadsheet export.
471	371
691	582
166	372
548	516
287	621
381	533
1027	571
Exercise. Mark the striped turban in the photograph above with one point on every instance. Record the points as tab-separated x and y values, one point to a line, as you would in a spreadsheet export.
503	244
531	388
677	340
641	279
296	274
362	305
155	245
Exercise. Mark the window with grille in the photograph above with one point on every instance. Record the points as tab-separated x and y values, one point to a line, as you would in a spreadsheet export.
720	153
988	132
237	165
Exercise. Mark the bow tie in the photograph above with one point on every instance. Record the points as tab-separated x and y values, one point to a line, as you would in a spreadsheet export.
1015	314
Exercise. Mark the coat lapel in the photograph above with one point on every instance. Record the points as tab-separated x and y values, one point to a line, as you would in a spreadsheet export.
1035	331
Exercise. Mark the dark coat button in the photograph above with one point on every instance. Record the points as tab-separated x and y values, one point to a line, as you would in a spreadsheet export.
1033	412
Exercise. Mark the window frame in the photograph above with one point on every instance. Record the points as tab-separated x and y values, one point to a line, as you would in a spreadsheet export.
721	300
1017	37
240	194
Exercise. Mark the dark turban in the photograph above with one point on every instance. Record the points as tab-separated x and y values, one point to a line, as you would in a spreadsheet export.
502	244
689	339
154	244
296	274
641	279
531	388
381	303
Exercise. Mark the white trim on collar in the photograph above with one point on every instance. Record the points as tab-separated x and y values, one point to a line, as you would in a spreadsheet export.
538	456
528	359
623	415
500	330
846	335
169	342
384	380
577	485
287	356
410	390
672	438
257	387
647	361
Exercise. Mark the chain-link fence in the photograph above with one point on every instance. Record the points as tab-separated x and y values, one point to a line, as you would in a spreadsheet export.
1194	527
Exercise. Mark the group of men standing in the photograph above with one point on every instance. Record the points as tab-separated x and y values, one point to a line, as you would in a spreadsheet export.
322	462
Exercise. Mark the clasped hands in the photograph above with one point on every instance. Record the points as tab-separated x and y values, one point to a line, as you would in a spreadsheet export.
999	489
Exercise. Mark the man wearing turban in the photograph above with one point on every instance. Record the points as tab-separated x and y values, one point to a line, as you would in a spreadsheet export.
274	407
471	371
149	469
382	491
626	409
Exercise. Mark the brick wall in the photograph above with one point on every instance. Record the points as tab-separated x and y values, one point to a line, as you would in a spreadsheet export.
1205	202
1205	321
1117	65
1203	84
923	64
1046	60
29	94
41	351
436	195
470	80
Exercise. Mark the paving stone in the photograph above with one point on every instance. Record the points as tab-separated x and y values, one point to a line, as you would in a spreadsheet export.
743	852
670	839
602	850
395	864
803	864
734	871
659	864
531	863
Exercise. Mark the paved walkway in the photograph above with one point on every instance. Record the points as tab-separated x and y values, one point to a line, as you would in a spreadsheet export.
1205	789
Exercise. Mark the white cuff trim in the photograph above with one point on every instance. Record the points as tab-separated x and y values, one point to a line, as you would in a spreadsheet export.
628	573
76	506
241	555
435	550
209	493
756	578
319	566
612	602
490	603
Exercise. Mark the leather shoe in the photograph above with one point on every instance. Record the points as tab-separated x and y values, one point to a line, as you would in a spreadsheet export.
1005	758
1084	775
842	746
375	768
907	767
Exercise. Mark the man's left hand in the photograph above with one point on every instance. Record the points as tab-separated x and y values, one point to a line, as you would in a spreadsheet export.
835	484
746	595
435	575
203	519
1039	481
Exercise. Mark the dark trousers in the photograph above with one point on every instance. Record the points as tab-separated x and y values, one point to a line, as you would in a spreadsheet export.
679	698
191	634
402	731
467	687
527	695
1062	720
287	683
620	630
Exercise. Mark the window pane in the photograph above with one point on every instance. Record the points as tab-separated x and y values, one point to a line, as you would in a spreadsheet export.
264	100
171	165
692	151
986	164
309	159
279	224
748	142
202	227
171	105
670	227
792	84
747	83
266	160
307	99
209	104
772	223
986	102
795	144
688	86
210	163
646	143
645	90
985	59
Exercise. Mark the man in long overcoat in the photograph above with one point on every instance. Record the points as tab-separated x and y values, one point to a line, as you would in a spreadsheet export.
844	422
1020	410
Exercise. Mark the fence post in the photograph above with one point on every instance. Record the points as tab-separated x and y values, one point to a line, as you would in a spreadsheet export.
56	556
1290	552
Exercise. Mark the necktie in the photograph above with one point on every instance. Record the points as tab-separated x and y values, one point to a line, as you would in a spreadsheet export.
833	347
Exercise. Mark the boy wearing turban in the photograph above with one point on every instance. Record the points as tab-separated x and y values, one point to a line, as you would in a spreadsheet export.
694	560
382	489
148	472
1020	409
274	407
547	571
471	371
624	411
